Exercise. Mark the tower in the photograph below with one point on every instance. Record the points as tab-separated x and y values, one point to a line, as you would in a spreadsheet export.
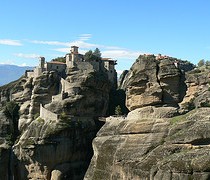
74	49
41	62
74	53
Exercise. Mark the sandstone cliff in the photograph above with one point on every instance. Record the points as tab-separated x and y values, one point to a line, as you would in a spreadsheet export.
157	140
153	82
162	137
157	147
88	94
198	86
54	148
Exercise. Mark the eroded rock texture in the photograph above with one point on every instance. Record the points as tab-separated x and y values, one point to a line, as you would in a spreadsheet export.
55	150
197	94
153	82
60	148
5	150
88	94
153	148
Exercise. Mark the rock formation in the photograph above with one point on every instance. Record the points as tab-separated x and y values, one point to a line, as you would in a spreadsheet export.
197	94
88	94
121	79
5	150
155	141
61	148
153	147
55	150
164	136
153	82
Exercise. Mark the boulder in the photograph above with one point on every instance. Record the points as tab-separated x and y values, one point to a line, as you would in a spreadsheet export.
152	112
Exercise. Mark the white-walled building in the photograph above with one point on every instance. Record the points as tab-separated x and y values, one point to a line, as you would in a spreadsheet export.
73	59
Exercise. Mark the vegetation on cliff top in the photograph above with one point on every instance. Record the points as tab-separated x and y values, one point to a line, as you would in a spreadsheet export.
11	111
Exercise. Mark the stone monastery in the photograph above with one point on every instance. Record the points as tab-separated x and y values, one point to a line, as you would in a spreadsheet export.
74	59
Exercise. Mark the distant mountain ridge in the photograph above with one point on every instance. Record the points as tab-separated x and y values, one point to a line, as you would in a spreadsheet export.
10	73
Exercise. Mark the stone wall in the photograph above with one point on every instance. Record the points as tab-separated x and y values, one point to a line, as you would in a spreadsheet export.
50	66
59	97
88	66
29	73
47	115
37	71
65	85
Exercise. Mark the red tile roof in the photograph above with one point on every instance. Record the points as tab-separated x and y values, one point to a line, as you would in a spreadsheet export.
107	59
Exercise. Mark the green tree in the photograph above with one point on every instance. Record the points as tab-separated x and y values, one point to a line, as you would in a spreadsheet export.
118	110
88	55
11	111
97	53
207	63
92	56
60	59
201	63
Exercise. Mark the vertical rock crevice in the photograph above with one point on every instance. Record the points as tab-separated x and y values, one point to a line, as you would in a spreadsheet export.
158	80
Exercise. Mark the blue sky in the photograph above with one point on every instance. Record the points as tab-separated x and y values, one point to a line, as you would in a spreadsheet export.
121	29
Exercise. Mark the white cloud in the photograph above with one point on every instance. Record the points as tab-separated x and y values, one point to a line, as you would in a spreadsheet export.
23	64
27	56
79	43
115	53
107	51
7	62
10	42
85	37
63	50
83	44
67	50
124	54
55	43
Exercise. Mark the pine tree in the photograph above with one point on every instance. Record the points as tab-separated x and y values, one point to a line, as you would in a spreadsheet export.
201	63
97	53
92	56
207	63
88	56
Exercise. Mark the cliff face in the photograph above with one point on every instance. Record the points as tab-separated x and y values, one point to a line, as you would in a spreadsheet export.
197	94
153	148
152	82
5	151
54	148
157	140
88	94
